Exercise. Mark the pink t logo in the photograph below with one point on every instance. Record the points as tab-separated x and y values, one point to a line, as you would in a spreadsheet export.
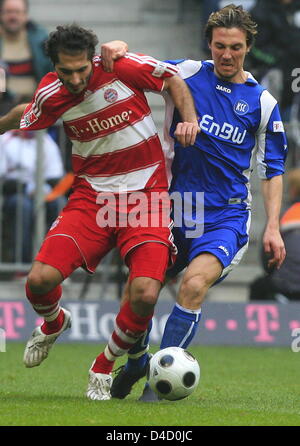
13	315
262	322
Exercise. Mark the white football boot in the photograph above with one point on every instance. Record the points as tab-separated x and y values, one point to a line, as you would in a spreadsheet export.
99	386
39	344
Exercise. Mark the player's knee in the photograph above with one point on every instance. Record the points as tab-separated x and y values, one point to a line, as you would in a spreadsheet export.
145	293
39	282
194	288
149	299
145	297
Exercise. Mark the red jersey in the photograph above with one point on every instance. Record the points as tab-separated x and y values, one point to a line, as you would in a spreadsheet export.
115	142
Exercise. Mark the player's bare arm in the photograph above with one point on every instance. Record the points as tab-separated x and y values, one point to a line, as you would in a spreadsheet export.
11	120
272	240
112	51
186	131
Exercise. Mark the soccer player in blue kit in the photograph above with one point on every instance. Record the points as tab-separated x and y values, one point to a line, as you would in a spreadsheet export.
240	122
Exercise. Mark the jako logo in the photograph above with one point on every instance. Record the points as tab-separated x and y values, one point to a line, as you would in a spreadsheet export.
227	131
224	249
220	87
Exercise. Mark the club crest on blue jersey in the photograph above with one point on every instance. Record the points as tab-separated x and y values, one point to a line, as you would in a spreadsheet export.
241	107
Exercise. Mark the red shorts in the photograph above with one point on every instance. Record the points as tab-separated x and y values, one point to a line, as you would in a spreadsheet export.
76	239
148	260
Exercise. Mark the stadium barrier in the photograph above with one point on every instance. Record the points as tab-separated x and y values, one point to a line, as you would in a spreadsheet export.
13	261
253	324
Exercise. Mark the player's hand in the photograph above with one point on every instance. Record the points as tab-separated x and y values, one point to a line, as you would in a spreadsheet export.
186	133
274	247
112	51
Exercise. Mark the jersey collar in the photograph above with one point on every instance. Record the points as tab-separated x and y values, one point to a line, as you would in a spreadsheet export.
250	79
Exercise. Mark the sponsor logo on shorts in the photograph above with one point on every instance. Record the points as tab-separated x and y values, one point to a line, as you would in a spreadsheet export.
224	249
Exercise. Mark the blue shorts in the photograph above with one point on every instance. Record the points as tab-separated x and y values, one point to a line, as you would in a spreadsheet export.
225	235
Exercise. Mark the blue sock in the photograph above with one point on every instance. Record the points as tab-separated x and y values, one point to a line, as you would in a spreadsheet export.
137	359
180	328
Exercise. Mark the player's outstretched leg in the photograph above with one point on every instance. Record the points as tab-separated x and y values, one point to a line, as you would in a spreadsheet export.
179	331
134	369
129	327
56	321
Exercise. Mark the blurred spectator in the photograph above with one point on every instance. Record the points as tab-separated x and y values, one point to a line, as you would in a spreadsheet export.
208	6
7	99
17	171
276	50
21	48
284	283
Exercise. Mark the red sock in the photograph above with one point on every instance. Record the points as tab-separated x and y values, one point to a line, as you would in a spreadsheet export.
48	299
47	306
102	364
129	327
53	326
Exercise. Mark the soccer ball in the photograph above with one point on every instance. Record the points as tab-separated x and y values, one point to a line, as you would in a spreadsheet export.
173	373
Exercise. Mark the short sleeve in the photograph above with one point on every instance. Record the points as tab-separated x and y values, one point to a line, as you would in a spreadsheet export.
144	72
271	139
40	113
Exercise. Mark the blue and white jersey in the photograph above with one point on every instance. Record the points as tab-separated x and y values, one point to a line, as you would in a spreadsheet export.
240	123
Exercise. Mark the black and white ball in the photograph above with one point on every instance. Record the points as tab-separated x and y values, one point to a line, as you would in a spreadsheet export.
173	373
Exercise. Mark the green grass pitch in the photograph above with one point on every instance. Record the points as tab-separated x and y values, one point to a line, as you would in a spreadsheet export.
239	386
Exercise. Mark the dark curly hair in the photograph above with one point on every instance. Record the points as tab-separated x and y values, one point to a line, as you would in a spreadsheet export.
70	39
232	16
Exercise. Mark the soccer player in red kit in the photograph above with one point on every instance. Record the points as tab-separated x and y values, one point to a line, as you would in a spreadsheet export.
116	152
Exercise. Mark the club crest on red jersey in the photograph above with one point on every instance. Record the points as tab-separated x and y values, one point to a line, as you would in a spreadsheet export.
111	95
30	118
